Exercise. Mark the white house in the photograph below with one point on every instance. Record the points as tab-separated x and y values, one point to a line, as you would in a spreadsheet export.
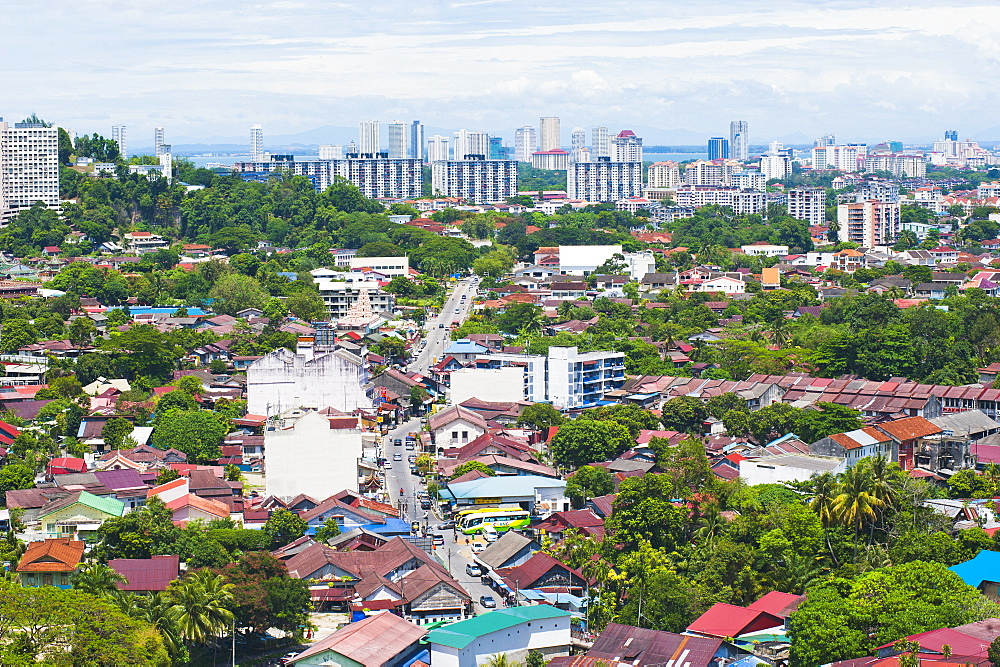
456	426
283	380
765	250
723	284
312	453
498	385
511	632
581	260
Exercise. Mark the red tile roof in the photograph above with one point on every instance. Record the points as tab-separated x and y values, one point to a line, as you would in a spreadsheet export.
146	574
727	620
54	555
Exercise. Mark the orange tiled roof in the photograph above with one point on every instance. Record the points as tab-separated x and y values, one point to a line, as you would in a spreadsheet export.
56	555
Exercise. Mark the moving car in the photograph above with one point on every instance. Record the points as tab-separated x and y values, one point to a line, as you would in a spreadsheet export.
397	457
441	326
490	534
438	540
477	547
425	504
473	570
397	442
488	602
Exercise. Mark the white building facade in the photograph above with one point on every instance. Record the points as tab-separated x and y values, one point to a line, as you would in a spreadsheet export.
808	204
285	380
312	454
477	181
604	180
29	167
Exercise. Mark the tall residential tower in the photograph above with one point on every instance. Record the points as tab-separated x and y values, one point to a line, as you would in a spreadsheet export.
549	134
739	140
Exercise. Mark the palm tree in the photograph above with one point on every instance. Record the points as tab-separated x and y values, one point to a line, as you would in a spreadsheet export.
158	610
96	579
501	660
857	501
779	332
200	605
710	528
824	492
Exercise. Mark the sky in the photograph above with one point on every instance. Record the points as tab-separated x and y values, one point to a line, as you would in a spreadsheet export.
872	71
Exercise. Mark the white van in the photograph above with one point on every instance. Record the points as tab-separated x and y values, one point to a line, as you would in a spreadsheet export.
489	534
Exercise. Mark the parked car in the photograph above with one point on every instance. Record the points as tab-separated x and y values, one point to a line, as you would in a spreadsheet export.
287	658
477	547
441	326
490	534
447	525
473	570
410	446
425	504
488	602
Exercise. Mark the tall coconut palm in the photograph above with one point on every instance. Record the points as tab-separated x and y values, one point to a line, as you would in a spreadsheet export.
857	502
158	610
96	579
824	492
200	605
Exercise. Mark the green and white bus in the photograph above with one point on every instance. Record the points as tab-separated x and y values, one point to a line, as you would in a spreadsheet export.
501	520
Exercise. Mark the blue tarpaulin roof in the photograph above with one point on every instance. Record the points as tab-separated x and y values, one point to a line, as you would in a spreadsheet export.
984	567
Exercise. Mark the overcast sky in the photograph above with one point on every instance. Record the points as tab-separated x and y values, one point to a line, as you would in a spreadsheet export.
863	70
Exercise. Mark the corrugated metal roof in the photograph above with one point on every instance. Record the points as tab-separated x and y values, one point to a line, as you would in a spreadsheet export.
461	634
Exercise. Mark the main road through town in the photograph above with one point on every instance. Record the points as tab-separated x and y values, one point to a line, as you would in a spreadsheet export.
438	335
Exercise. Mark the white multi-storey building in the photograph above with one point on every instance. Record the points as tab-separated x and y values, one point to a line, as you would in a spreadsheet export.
340	295
848	158
118	136
626	147
749	179
376	177
331	152
166	161
869	223
29	167
256	143
741	201
398	144
578	138
525	143
437	148
549	135
739	140
663	175
477	181
777	162
900	165
600	141
382	177
711	172
158	141
369	137
808	204
470	143
604	180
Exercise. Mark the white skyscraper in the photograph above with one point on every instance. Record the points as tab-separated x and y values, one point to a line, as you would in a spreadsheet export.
369	137
626	147
158	141
600	141
477	181
256	143
777	162
739	140
525	143
29	167
398	143
437	148
470	143
578	138
331	152
549	135
417	140
118	136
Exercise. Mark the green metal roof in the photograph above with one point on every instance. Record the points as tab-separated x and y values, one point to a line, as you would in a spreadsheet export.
461	634
110	506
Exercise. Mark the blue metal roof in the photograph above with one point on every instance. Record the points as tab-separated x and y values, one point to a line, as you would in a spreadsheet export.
503	486
984	567
466	346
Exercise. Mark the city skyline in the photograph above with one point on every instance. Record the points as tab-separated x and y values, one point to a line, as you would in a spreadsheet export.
793	68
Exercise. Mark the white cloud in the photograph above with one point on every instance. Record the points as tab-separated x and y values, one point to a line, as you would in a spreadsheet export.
861	69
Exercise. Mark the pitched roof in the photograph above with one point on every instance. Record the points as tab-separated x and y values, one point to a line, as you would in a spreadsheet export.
453	413
498	553
371	641
641	647
213	507
461	634
109	506
54	555
146	574
727	620
909	428
780	604
527	574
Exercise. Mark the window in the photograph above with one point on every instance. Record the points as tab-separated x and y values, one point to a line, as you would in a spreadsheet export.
454	435
465	435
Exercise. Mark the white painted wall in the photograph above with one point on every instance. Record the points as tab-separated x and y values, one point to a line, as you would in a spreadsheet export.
488	384
309	457
762	472
515	642
283	380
